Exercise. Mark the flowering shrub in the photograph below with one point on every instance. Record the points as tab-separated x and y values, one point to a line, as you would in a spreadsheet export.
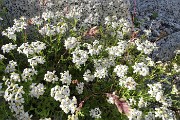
68	73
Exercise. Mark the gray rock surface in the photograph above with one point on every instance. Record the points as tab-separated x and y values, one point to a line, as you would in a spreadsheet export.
162	17
167	47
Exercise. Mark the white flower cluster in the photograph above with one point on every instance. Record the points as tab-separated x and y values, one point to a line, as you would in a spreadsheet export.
36	60
115	23
50	77
147	47
95	113
121	70
50	30
62	94
47	30
149	61
28	73
87	76
101	72
15	77
80	87
176	67
37	90
71	43
165	113
14	96
93	49
141	103
66	78
47	15
79	56
149	116
141	68
102	65
33	48
118	50
135	114
18	26
11	67
8	47
37	20
156	91
2	57
73	117
128	82
69	105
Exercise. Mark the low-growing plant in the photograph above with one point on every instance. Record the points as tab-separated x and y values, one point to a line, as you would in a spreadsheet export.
76	73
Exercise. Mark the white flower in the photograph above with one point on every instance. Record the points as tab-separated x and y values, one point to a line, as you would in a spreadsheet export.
147	47
150	116
8	47
11	67
141	103
80	87
101	72
47	15
15	77
164	113
37	90
60	93
28	73
118	50
141	68
69	105
130	83
154	89
36	60
38	46
95	113
135	114
36	20
48	30
104	62
71	43
79	56
50	77
176	67
73	117
10	33
26	49
66	78
150	62
121	70
159	96
2	57
87	76
93	49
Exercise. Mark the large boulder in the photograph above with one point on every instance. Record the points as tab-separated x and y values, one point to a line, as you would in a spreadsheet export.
162	17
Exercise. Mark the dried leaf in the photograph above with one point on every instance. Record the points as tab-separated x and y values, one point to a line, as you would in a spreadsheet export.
92	32
121	104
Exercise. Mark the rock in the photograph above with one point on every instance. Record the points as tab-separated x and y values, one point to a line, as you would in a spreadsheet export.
167	47
157	15
162	17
